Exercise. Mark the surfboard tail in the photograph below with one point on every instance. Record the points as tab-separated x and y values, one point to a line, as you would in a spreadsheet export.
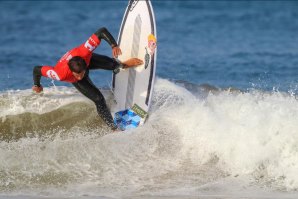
130	118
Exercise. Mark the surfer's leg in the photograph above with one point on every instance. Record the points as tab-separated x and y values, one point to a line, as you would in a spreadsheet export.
87	88
102	62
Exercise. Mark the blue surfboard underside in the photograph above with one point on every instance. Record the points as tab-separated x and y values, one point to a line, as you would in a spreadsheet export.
127	119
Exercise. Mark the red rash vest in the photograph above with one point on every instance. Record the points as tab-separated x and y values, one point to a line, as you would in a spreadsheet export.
61	71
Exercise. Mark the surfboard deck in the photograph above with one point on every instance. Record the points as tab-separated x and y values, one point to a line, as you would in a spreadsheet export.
133	87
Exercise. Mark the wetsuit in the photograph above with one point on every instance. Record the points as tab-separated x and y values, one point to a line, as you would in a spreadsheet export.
62	72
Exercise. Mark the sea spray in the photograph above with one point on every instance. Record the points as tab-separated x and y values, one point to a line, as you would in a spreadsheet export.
248	132
190	140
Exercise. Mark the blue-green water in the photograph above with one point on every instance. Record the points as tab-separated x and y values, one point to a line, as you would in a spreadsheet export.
224	44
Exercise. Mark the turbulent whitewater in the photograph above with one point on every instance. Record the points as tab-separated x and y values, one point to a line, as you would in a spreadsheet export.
199	141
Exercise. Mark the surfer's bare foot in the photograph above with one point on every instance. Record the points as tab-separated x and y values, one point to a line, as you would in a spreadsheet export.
132	62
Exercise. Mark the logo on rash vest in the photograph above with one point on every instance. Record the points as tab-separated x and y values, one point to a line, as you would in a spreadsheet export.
69	57
90	44
53	75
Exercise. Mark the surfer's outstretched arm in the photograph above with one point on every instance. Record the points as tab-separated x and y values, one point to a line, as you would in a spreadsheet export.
36	79
46	71
37	75
104	34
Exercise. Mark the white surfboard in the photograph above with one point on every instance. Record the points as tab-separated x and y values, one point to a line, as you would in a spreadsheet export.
137	38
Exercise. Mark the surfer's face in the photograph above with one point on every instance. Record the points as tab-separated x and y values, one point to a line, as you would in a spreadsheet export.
79	76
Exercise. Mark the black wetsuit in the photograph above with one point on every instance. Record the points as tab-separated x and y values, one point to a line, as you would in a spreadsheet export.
85	86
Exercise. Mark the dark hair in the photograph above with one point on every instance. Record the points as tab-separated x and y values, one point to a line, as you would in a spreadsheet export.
77	64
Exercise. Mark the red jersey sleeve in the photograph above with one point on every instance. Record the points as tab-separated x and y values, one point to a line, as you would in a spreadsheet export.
50	72
89	46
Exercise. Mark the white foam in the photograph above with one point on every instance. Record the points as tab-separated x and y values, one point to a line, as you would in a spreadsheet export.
15	102
188	146
249	133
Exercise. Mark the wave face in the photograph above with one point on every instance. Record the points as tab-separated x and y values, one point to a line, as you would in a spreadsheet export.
199	140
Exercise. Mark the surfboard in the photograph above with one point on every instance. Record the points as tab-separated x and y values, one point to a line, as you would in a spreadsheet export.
133	87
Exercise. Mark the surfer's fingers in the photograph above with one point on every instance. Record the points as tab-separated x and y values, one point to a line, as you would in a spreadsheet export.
140	61
120	51
116	52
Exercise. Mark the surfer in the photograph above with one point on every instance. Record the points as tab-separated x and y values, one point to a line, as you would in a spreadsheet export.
74	68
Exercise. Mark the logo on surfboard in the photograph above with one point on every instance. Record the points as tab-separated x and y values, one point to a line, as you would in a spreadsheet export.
152	44
152	47
132	4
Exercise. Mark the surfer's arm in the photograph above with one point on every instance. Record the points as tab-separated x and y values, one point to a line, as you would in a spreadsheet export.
55	73
36	79
104	34
46	71
37	75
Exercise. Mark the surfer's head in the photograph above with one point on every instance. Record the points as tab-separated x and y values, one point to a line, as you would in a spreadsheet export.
78	67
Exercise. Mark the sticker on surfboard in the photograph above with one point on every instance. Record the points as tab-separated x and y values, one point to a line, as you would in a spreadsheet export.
152	47
130	118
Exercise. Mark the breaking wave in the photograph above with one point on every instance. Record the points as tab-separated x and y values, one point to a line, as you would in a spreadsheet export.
196	136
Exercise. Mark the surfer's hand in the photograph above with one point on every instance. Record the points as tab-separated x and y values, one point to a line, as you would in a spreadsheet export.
37	89
116	51
132	62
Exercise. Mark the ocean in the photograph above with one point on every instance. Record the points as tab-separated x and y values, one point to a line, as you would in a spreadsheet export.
223	120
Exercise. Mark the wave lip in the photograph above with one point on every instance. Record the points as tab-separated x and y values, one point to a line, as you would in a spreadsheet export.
249	133
15	102
24	113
